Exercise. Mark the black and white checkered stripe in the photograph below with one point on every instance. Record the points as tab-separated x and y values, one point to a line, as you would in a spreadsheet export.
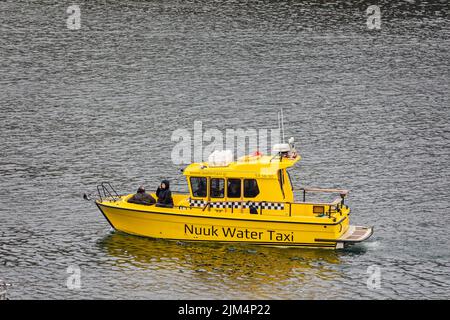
271	205
197	203
220	205
237	204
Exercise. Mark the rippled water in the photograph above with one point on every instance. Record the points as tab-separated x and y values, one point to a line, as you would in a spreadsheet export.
369	108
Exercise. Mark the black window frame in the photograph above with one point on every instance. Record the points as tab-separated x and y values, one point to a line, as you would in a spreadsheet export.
257	188
240	188
192	189
210	188
281	181
290	180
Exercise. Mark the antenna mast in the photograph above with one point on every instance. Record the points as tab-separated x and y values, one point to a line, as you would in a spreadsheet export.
282	124
279	123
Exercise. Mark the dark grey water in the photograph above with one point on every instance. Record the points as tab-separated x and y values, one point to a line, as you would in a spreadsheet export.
369	109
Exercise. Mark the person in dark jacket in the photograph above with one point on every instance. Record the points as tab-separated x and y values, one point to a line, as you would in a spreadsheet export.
164	195
142	198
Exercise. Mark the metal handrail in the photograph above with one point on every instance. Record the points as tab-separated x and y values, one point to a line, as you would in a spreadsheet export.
334	206
342	192
103	189
326	190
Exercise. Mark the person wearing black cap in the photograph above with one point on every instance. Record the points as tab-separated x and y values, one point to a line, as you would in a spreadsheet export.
164	195
142	198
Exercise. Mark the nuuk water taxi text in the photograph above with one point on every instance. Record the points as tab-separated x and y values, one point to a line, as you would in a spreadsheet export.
250	200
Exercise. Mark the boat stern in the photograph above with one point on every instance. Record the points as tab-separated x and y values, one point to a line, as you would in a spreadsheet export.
354	234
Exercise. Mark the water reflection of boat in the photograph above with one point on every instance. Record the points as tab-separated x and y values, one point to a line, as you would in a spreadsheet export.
232	261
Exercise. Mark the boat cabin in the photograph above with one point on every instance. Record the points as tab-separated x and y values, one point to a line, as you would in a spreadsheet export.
252	182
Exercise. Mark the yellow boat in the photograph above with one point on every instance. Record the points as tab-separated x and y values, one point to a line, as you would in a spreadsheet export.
250	200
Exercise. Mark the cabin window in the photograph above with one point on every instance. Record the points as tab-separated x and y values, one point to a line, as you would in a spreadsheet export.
234	188
281	181
217	189
251	189
198	186
290	180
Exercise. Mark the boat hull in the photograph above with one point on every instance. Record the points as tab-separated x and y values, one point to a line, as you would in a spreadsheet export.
165	223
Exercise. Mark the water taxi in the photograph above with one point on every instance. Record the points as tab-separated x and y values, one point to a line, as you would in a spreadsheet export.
250	200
